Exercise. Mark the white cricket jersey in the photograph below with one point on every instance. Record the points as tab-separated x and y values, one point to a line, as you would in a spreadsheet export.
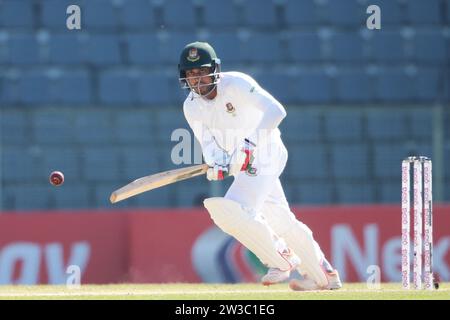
241	109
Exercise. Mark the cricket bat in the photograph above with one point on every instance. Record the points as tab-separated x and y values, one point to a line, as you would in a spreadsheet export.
156	180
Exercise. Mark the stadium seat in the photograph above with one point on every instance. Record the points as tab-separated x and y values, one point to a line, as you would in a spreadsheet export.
313	87
99	14
308	161
355	193
172	44
116	88
219	14
387	159
192	192
428	85
350	161
153	89
138	15
312	193
394	86
53	127
34	88
388	191
387	126
300	13
343	126
344	13
73	87
13	128
388	47
54	16
422	125
103	49
301	125
134	127
259	14
138	161
354	86
31	197
161	197
179	14
167	121
62	158
73	196
347	47
20	164
16	14
66	49
423	12
304	47
93	127
23	49
100	164
277	83
262	48
431	47
143	49
228	47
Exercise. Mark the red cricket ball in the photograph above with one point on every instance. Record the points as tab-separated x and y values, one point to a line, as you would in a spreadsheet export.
56	178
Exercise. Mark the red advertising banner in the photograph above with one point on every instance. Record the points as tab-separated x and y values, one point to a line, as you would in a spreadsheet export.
183	245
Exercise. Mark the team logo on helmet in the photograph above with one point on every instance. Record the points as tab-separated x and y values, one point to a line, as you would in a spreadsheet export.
193	55
230	108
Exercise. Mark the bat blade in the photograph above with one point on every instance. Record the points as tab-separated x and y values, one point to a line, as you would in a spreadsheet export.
157	180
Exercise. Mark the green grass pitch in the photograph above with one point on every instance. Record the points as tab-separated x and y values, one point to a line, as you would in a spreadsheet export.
178	291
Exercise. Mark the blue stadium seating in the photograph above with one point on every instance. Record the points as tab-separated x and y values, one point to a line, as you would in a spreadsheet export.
262	48
20	164
64	159
168	121
116	88
344	13
355	192
138	15
53	127
219	14
394	86
16	14
99	14
304	47
93	127
347	47
101	164
72	196
387	160
353	86
308	161
34	88
301	125
172	45
31	197
143	49
103	49
228	47
314	87
391	12
423	12
387	126
428	84
192	192
259	14
431	47
66	49
138	161
389	191
23	49
350	161
179	14
73	88
153	89
388	47
422	125
300	13
134	126
278	84
312	193
161	197
54	16
13	124
343	126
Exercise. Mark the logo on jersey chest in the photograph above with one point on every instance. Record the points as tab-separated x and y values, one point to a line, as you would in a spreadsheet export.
230	108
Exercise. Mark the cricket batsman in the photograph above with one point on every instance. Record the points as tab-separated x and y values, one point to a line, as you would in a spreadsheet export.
236	123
